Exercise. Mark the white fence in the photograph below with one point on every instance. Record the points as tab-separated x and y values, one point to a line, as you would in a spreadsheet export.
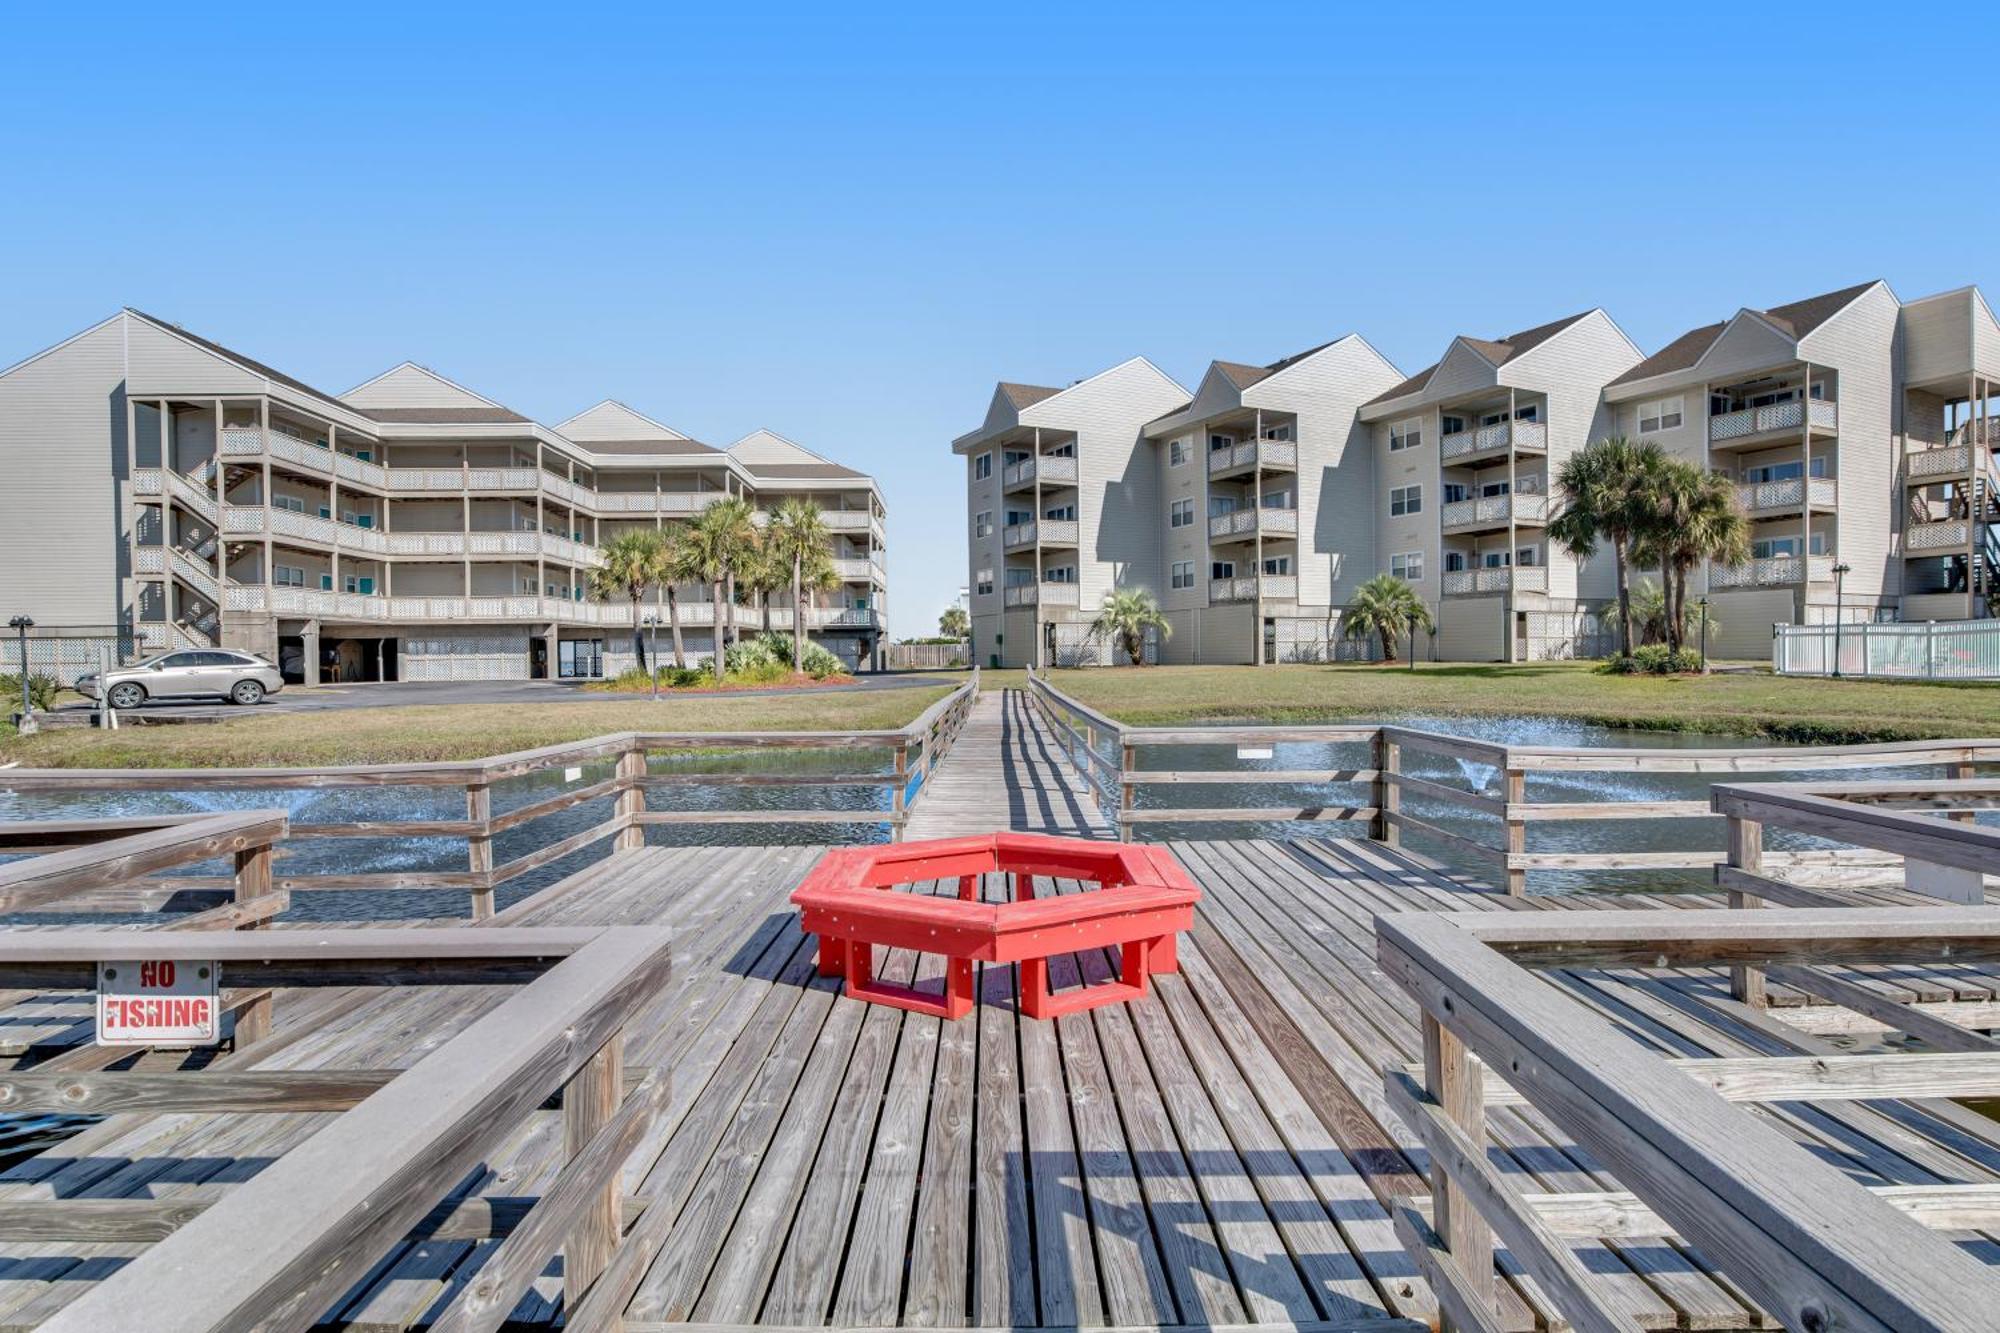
64	658
1934	650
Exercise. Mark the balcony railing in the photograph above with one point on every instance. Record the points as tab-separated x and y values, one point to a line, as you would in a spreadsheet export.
1754	421
1053	471
1017	534
428	610
1770	572
1472	582
1495	511
1241	524
1947	535
1049	531
1760	497
1524	436
1048	594
1946	464
1278	455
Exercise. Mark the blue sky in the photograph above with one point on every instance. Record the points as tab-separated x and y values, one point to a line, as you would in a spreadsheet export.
846	222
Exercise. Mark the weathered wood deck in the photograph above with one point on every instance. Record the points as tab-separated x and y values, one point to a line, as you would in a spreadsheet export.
1215	1154
1006	771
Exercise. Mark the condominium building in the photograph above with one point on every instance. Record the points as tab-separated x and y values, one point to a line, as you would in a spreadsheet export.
1858	429
171	491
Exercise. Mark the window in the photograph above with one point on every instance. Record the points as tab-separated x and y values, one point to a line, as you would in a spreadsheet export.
1061	513
982	523
1406	500
1061	451
1059	574
1177	452
326	511
1181	514
1281	433
1009	457
982	467
1218	505
1016	517
1493	559
1454	562
288	576
983	582
1527	557
1277	564
291	502
1277	499
1451	425
1406	434
1660	414
1222	569
326	583
366	586
1454	491
1217	443
1489	489
1766	548
1408	566
1183	574
1782	471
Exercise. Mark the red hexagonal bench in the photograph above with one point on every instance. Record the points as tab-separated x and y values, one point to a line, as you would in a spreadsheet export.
1142	900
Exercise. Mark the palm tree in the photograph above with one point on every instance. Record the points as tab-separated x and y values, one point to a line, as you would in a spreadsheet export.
796	540
679	567
763	574
1387	607
718	541
1604	494
1696	517
629	564
1128	613
954	623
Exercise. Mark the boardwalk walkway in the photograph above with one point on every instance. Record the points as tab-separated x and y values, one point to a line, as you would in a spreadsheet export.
1216	1154
1006	771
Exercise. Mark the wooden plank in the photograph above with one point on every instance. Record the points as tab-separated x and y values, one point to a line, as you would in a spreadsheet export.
1817	1078
37	880
1909	1018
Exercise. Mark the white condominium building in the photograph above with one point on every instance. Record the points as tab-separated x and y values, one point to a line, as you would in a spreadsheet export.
169	491
1857	427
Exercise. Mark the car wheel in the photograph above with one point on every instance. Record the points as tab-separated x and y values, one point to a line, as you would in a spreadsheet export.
126	694
247	692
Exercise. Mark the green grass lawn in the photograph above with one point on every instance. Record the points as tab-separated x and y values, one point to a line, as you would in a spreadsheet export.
1736	704
447	731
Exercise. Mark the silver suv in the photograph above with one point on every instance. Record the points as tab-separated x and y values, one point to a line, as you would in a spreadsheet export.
192	673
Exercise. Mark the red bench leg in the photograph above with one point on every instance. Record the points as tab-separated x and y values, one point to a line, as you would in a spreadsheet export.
1035	987
1133	956
968	887
832	956
1165	955
958	989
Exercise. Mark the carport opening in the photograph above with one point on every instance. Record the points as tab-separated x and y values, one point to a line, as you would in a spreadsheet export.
356	661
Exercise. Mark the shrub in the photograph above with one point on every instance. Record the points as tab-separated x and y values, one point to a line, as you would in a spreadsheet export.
681	678
777	648
754	655
1655	659
42	691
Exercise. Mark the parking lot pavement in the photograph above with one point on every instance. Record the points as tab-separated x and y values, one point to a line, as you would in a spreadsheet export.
327	698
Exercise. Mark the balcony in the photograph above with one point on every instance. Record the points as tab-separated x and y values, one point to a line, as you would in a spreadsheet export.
1047	594
1930	466
1776	571
1489	512
1483	581
1243	588
1270	455
525	607
1944	537
1052	471
1495	441
1049	531
1764	499
846	520
1759	425
1242	525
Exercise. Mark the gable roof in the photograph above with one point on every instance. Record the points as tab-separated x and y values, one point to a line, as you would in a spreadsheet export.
254	367
1498	351
409	385
445	415
1795	320
1240	375
612	420
1026	395
803	471
678	446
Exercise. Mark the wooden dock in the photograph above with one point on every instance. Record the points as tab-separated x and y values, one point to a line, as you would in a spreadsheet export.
1229	1152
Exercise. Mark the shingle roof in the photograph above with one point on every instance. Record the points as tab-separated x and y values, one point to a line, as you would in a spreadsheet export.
803	471
1408	386
1026	395
1798	318
254	367
1240	375
446	415
662	445
1497	350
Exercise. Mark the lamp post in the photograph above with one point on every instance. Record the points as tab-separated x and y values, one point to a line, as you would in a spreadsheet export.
21	625
1839	614
652	624
1702	602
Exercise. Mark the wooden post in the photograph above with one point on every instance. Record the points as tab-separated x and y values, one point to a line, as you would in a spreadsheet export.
253	880
631	799
590	1099
1388	756
1127	764
479	845
1455	1083
1514	790
1963	771
899	797
1746	852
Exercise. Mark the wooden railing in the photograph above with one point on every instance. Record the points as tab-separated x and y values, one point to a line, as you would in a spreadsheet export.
277	1250
912	753
1378	783
1803	1240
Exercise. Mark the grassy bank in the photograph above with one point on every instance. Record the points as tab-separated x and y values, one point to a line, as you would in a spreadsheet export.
1734	704
466	731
